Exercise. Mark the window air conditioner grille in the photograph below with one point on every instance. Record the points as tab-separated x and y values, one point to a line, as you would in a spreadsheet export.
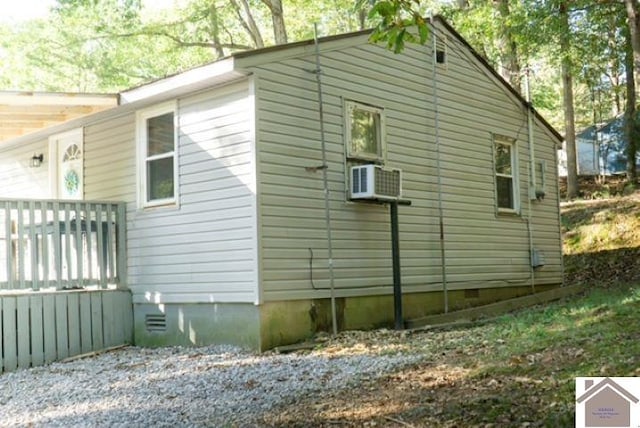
387	182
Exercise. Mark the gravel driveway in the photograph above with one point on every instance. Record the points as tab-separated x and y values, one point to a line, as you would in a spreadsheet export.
210	386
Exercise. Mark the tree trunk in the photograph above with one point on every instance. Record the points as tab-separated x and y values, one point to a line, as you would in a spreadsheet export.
633	18
630	113
614	66
277	17
215	29
567	95
633	83
509	64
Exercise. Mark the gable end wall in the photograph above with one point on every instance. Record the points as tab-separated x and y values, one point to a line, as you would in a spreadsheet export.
483	250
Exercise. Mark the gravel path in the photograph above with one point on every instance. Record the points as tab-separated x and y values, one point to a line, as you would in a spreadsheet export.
170	387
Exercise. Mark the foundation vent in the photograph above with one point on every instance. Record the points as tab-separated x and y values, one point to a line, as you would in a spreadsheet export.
155	322
472	293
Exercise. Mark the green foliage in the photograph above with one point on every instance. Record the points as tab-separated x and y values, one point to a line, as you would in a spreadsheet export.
89	47
109	45
399	22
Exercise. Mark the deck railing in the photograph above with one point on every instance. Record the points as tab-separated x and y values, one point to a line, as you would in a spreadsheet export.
54	244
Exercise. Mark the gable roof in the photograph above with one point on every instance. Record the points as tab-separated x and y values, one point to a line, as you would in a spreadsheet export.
235	67
440	20
240	60
610	383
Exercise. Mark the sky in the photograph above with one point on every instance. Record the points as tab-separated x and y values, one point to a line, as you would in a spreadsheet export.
22	10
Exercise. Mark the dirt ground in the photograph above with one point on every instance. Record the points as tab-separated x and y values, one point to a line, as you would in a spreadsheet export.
446	390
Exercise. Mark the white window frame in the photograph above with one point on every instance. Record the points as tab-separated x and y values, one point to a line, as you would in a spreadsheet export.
515	189
141	135
380	158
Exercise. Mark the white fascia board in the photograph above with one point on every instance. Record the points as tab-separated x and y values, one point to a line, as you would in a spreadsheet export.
193	79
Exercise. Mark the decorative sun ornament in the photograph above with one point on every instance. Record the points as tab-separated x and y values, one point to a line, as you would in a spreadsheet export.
71	182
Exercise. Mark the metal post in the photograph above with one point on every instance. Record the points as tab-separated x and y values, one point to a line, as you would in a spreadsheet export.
325	181
395	255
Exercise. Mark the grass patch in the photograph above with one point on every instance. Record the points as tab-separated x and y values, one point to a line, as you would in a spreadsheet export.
525	364
601	241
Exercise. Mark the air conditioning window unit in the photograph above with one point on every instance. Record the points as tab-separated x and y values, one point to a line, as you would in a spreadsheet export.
375	182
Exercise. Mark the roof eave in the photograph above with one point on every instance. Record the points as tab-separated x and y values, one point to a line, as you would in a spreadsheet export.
144	96
191	80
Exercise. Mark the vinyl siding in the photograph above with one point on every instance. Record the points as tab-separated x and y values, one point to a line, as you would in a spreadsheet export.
18	179
204	249
483	249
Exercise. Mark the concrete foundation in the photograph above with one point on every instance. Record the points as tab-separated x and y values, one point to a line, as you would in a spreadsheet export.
285	322
197	324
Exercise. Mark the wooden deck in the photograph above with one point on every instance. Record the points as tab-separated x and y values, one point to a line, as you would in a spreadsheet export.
62	280
41	327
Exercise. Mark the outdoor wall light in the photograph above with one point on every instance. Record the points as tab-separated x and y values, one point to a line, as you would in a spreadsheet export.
36	160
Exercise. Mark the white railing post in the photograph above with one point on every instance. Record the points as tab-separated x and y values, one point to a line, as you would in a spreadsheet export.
121	245
44	261
33	246
8	234
20	241
110	244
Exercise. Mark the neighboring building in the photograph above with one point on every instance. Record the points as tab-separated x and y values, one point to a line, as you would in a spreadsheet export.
221	168
601	150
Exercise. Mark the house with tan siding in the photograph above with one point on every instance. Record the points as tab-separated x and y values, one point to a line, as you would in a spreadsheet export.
251	217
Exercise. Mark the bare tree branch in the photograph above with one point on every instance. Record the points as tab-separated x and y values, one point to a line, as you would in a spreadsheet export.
180	42
249	22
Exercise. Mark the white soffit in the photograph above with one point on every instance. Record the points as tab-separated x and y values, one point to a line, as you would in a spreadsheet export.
191	80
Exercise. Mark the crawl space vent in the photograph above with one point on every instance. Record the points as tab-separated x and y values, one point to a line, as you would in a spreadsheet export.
472	293
155	322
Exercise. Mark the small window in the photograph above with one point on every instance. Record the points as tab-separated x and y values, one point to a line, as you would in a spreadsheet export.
505	173
541	182
158	156
365	132
441	51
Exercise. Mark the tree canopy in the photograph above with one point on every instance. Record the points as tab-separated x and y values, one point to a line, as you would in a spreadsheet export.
581	56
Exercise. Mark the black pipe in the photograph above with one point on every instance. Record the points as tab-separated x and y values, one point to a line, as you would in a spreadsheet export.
395	256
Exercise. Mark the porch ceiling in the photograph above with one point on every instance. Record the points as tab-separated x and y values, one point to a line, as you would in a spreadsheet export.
25	112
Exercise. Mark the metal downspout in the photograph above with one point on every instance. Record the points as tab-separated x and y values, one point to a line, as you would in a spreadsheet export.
325	180
439	172
532	179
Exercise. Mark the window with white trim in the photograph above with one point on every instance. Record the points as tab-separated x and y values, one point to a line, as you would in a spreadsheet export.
365	132
157	169
505	163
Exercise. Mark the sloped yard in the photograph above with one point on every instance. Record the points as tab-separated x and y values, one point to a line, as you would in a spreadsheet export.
515	370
